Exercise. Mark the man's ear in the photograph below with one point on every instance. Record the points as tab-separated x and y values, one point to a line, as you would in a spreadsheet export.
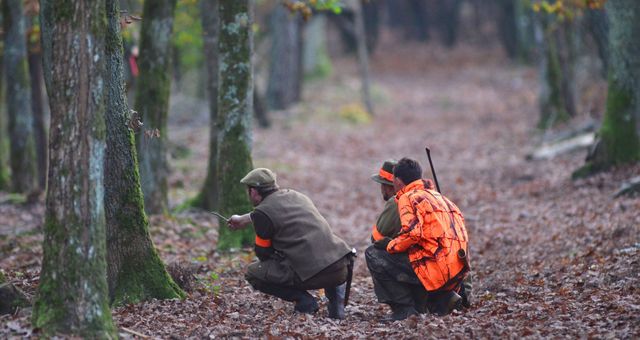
398	184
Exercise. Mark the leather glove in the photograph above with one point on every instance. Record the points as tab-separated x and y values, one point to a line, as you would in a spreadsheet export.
382	244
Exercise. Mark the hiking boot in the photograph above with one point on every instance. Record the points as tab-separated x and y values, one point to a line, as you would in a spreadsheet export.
466	300
306	304
447	303
335	307
399	312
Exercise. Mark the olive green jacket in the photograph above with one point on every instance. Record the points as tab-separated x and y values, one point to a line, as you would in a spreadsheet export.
301	233
388	223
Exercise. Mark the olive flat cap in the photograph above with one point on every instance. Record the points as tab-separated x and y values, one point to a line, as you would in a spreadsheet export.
385	175
259	178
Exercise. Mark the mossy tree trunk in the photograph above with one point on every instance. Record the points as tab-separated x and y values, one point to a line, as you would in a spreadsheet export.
134	271
619	136
37	100
208	196
72	296
23	157
285	65
235	100
557	91
152	101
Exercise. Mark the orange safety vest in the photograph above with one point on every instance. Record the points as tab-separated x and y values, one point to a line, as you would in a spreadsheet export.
433	233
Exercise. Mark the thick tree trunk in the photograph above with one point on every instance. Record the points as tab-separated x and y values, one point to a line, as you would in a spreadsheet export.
208	196
234	117
515	27
39	119
285	73
72	295
557	92
152	101
619	135
135	271
23	153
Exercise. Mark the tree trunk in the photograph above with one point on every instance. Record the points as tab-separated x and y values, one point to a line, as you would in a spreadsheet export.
5	183
208	196
363	57
152	101
37	100
557	92
285	73
234	117
135	271
23	153
449	14
619	135
598	26
315	58
72	295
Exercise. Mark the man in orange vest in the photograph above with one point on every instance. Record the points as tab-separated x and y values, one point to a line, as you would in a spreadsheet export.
431	248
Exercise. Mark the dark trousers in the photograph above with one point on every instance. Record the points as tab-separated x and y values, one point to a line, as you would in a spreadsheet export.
396	284
276	277
394	281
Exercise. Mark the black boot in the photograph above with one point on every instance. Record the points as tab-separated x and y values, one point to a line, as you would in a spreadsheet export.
399	312
306	303
335	307
447	302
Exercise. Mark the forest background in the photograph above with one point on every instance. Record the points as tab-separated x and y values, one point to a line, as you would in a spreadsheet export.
531	110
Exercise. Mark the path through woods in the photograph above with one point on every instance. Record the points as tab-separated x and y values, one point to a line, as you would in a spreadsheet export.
551	257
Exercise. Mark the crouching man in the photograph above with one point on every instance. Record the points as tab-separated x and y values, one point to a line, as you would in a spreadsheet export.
430	249
296	248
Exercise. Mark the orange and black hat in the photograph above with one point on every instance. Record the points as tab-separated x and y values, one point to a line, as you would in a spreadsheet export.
385	175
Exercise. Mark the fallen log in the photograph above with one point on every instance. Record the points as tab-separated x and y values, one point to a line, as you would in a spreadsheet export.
629	187
548	151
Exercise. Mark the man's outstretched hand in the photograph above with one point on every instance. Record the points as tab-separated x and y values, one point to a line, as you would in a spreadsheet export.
236	222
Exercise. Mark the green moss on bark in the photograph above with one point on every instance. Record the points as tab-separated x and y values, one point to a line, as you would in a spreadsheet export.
235	111
53	310
618	131
235	199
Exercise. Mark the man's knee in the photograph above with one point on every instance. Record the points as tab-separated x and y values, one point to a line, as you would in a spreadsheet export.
375	259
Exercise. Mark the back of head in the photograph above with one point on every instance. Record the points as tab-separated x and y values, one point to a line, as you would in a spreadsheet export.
407	170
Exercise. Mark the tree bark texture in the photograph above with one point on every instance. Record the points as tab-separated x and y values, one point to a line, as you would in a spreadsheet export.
285	70
72	295
234	117
208	196
619	135
134	271
152	101
557	91
41	138
23	153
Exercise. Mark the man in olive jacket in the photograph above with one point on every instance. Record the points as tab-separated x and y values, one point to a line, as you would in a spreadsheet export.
296	248
394	282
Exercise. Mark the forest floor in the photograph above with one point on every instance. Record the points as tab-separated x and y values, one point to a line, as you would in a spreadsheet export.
551	257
